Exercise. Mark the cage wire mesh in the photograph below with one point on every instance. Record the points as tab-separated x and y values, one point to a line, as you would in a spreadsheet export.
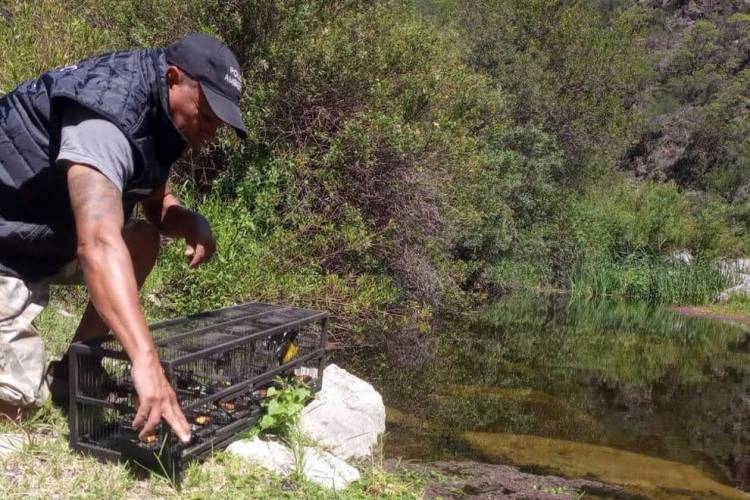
219	364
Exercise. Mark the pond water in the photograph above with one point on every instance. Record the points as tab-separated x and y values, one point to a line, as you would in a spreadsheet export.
629	394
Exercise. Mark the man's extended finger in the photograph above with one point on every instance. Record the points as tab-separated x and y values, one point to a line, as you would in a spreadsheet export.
176	420
142	413
154	418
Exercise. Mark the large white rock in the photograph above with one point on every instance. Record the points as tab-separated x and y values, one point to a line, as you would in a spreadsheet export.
740	266
743	289
347	416
319	467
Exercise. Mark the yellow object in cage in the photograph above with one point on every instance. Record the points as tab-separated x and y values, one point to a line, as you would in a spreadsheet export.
291	352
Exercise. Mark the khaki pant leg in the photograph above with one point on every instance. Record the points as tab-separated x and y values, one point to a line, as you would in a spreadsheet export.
22	359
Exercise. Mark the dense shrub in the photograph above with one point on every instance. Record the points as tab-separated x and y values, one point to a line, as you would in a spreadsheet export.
407	158
568	66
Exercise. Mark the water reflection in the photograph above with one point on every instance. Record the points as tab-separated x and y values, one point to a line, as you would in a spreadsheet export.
630	377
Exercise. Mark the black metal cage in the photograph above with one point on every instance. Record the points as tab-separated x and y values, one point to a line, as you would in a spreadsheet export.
219	364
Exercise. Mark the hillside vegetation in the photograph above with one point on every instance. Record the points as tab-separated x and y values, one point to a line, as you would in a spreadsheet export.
410	159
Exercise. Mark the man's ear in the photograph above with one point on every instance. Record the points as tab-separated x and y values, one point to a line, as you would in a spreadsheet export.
173	76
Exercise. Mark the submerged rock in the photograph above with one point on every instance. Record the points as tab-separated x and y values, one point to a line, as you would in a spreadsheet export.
474	480
347	416
655	477
319	467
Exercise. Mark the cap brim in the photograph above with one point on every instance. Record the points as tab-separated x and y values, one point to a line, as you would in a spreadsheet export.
226	110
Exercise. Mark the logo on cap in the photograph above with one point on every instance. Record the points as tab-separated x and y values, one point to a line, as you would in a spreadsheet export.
233	78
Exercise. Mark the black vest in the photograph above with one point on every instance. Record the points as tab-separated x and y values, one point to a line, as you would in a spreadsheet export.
37	229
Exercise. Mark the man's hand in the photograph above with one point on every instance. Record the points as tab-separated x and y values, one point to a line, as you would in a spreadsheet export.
199	240
157	400
163	210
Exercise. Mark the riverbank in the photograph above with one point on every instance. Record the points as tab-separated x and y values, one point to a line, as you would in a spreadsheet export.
474	480
717	312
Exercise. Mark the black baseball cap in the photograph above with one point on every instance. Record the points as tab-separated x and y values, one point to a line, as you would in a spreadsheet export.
213	64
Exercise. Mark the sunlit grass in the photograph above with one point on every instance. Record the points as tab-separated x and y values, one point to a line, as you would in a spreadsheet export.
651	280
47	468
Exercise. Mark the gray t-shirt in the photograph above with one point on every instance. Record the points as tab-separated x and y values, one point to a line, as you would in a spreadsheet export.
89	139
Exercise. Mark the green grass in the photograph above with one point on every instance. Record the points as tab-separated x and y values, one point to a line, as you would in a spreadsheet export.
47	468
650	280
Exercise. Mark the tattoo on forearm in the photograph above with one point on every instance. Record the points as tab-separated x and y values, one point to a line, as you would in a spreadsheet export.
93	197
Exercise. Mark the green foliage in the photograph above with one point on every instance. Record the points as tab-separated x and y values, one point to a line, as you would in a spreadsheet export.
720	147
646	219
38	36
566	66
283	407
627	234
655	281
698	103
693	72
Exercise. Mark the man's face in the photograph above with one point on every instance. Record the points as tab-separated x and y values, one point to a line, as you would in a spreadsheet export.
189	109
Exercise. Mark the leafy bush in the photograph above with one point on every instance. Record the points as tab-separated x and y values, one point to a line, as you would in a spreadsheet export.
566	65
407	157
628	234
646	219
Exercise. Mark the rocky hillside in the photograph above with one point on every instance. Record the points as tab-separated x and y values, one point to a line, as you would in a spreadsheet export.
696	109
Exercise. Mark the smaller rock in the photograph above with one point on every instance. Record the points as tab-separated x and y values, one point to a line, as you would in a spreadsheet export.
269	454
682	257
319	467
65	314
327	470
11	443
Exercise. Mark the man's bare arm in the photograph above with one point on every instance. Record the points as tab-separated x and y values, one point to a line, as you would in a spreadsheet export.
110	278
104	257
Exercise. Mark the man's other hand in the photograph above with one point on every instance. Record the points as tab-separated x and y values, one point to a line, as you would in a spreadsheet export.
165	211
157	400
199	241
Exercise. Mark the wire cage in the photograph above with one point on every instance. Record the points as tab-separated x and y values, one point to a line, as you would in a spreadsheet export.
219	363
